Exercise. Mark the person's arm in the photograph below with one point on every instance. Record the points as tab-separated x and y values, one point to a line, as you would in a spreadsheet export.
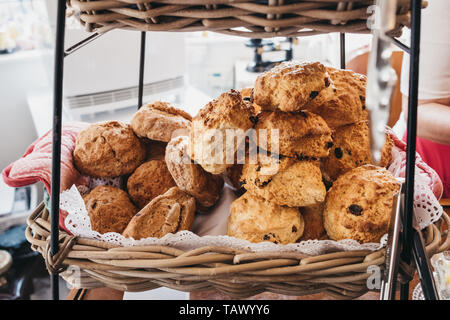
433	119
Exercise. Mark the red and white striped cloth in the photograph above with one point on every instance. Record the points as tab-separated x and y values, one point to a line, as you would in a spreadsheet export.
36	164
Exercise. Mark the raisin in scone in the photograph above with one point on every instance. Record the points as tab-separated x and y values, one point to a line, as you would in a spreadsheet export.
149	180
255	219
191	177
343	102
110	209
359	204
108	149
214	127
160	121
301	134
285	181
290	85
170	212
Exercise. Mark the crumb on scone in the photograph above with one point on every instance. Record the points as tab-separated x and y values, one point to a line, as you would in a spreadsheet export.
108	149
110	209
256	220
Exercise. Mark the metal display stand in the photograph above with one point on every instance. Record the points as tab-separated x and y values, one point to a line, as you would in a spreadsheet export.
409	246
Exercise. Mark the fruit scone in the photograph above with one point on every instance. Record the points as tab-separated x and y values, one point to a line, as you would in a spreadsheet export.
108	149
149	180
160	121
284	181
110	209
290	85
218	130
254	219
343	102
190	176
301	134
351	149
170	212
359	204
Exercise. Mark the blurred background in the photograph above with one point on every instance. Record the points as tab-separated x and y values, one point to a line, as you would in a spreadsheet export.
100	82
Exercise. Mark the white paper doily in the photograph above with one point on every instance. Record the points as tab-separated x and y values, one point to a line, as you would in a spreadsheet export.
78	223
426	206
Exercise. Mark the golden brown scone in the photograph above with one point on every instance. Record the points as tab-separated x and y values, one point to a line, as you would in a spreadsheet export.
343	102
170	212
359	204
149	180
110	209
108	149
191	177
285	181
211	131
255	219
313	217
155	149
301	134
351	149
290	85
160	121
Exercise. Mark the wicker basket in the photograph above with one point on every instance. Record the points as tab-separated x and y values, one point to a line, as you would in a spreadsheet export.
255	19
87	263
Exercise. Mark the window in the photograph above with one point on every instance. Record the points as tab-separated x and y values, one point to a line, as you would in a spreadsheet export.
23	25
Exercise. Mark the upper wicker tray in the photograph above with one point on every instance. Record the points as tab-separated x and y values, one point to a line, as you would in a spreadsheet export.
254	18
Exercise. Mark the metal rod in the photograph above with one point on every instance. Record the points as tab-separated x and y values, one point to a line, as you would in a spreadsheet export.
423	267
342	46
401	45
141	70
56	138
411	138
82	43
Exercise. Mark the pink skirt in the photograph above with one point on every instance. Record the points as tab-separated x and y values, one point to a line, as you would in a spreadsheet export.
437	156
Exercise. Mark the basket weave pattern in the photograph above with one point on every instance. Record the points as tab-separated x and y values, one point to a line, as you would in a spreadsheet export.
256	19
87	263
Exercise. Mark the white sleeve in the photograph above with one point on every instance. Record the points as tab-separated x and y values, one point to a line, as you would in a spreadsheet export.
434	61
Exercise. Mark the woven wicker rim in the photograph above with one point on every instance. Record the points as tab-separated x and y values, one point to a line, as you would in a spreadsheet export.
259	19
87	263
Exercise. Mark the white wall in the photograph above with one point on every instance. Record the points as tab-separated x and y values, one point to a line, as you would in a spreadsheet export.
20	74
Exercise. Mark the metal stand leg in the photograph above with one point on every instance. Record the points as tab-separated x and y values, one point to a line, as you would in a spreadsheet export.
141	70
57	125
411	138
342	46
